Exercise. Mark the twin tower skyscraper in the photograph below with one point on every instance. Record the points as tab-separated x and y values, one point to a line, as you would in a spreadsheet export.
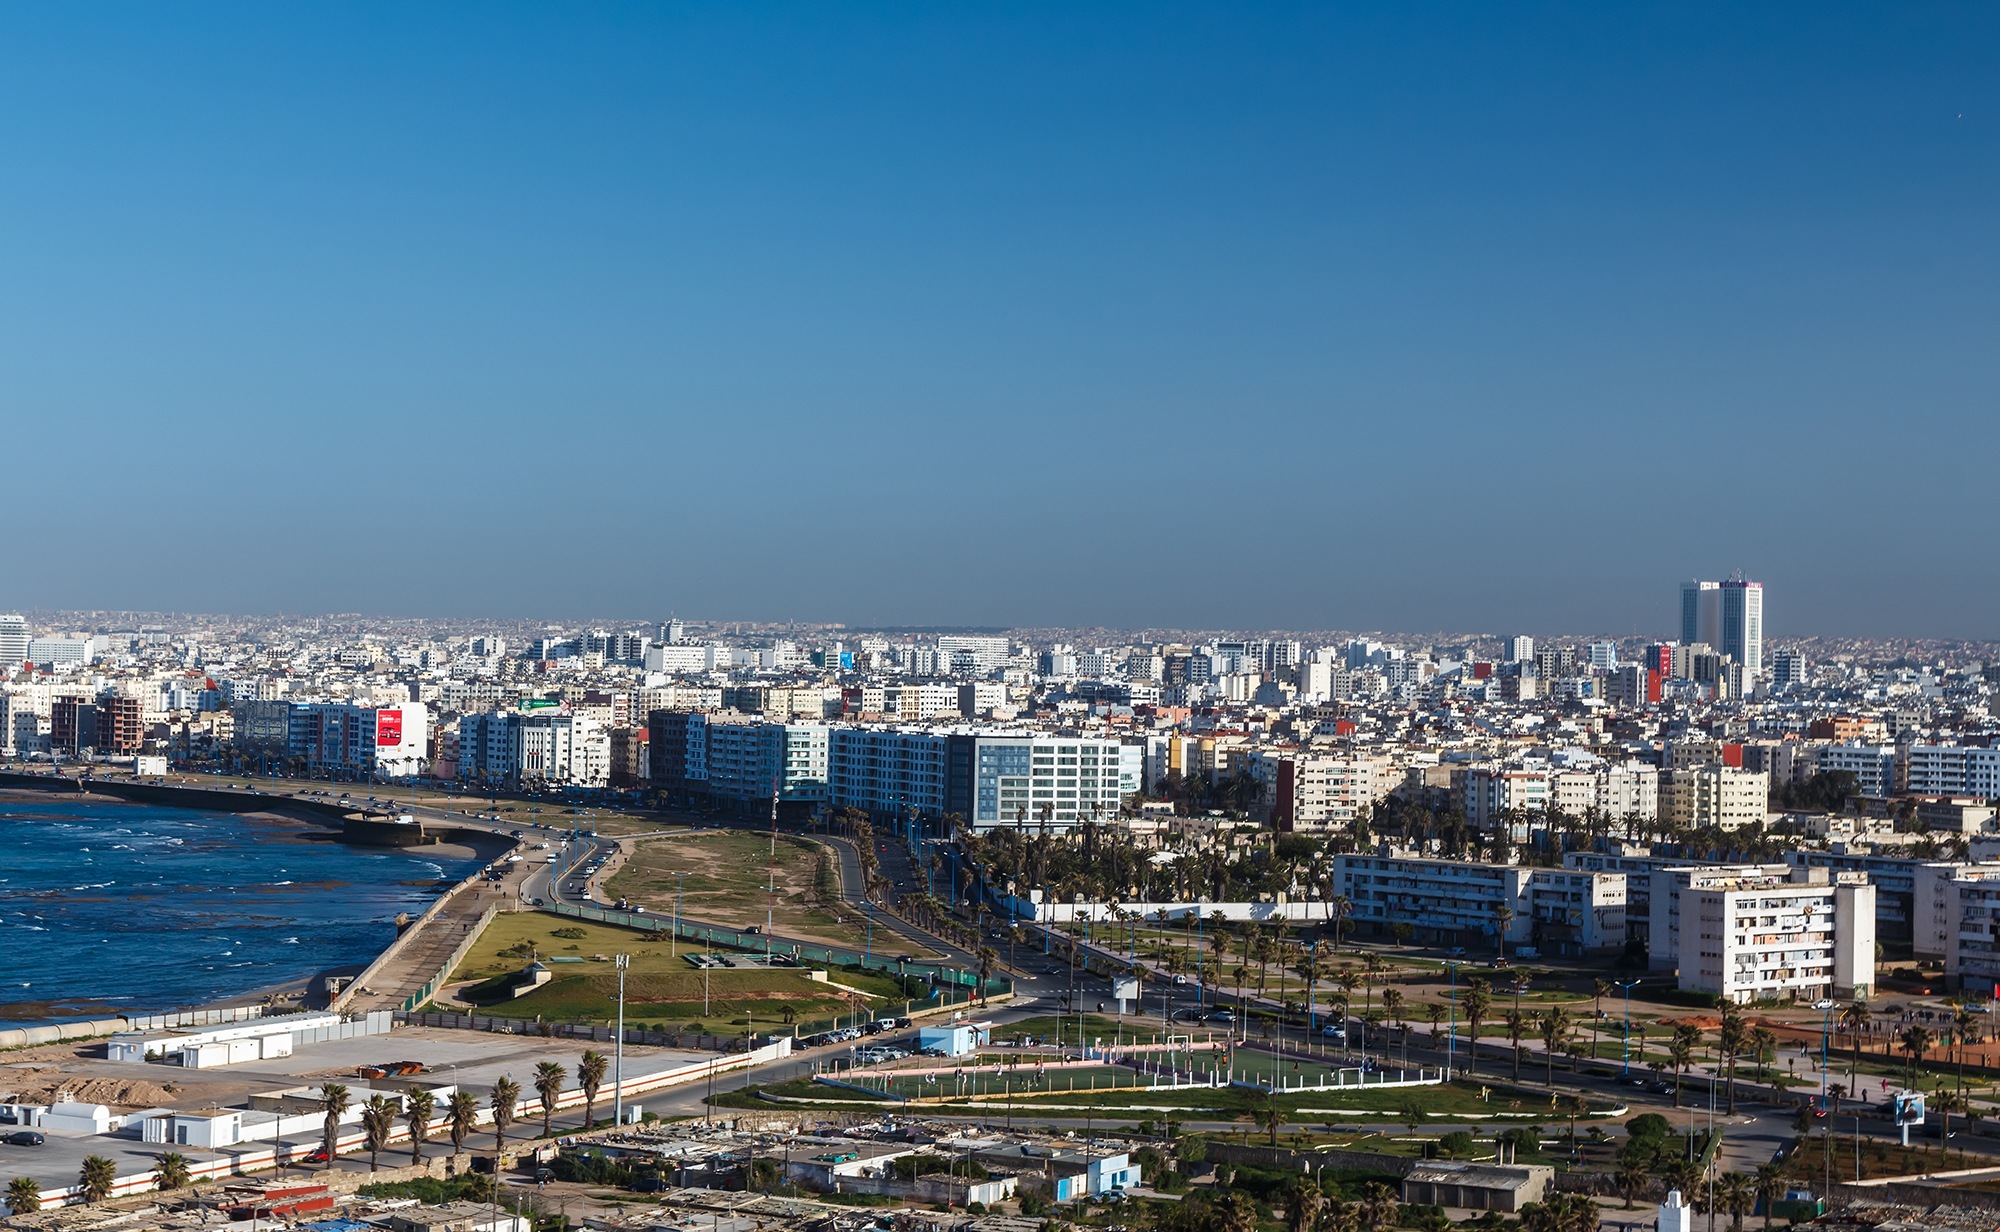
1728	616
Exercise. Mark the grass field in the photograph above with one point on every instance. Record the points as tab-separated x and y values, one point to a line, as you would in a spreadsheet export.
659	987
726	873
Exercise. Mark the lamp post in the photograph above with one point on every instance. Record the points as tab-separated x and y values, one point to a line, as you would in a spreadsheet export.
1451	1033
1626	1071
618	1064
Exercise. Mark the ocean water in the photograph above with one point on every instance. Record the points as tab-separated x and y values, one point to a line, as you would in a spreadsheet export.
108	908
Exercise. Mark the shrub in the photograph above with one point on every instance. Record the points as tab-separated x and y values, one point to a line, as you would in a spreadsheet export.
1456	1145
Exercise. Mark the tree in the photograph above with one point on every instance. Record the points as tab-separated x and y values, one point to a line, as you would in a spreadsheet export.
1378	1207
172	1172
1916	1041
1732	1040
1271	1119
506	1094
1517	1026
95	1179
1555	1027
1478	1003
378	1123
419	1106
1303	1205
1680	1049
24	1195
590	1073
1631	1178
333	1103
461	1117
1735	1193
548	1088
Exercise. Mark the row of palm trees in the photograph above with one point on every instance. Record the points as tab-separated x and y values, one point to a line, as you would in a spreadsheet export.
379	1118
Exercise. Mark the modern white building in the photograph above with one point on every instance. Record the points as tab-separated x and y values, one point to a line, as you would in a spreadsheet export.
59	652
1569	911
13	642
1743	624
1759	939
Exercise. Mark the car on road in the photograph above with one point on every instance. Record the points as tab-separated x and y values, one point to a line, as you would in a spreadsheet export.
1333	1031
1222	1016
1180	981
24	1137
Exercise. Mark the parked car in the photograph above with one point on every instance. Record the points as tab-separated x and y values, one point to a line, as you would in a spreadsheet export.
24	1137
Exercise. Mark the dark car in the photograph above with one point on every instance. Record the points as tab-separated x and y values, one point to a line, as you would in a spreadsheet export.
24	1137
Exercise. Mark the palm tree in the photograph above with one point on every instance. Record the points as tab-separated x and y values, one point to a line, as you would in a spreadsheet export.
1735	1193
462	1117
419	1106
1916	1041
1764	1043
24	1194
1631	1178
1555	1029
333	1102
1478	1001
1946	1103
1304	1204
1271	1119
1517	1026
172	1172
1853	1019
590	1073
378	1123
986	957
1378	1205
506	1094
1732	1040
94	1181
548	1087
1770	1185
1435	1012
1680	1050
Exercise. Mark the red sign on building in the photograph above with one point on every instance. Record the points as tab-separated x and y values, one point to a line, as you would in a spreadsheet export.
388	727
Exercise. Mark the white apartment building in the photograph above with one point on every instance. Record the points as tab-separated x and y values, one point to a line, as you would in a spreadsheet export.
1933	910
1726	797
1755	940
1318	791
1872	765
1953	770
13	642
1565	910
60	652
1491	792
1972	942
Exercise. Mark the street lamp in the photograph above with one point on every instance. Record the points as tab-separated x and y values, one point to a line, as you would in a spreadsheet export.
618	1065
1625	1072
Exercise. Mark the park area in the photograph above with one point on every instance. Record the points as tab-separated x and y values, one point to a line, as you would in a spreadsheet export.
661	987
721	877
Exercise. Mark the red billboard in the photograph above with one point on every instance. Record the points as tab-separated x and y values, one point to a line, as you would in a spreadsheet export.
388	727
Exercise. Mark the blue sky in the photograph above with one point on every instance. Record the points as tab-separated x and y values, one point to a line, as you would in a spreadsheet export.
1412	317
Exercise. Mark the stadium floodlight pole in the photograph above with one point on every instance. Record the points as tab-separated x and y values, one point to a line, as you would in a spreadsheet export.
618	1065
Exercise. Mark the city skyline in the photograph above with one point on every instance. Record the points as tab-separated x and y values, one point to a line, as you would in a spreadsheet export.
1214	318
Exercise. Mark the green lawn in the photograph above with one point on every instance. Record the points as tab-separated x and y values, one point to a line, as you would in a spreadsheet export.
660	986
727	874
